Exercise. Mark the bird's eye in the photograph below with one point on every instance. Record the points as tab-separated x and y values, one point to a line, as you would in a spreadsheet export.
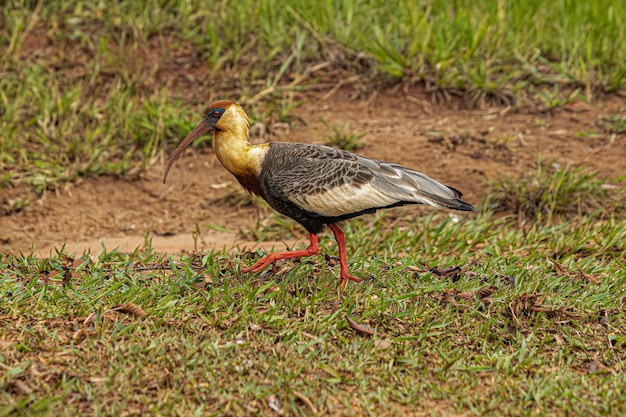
216	114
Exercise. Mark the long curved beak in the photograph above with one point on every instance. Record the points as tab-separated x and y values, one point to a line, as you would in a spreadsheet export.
202	128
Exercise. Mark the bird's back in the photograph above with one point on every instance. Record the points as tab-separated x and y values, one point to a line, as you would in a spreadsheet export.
317	185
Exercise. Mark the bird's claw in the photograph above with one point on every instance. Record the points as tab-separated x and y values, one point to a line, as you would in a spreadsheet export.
272	258
261	264
346	278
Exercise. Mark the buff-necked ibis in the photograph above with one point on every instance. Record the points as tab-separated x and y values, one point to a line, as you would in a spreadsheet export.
315	185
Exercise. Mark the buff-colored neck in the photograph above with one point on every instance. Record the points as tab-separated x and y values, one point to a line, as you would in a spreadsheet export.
230	142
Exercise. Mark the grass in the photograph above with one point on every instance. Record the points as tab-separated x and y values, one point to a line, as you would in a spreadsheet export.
342	139
555	193
102	88
470	316
202	338
615	123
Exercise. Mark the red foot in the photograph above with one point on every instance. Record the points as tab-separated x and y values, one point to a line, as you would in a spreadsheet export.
265	261
313	248
343	258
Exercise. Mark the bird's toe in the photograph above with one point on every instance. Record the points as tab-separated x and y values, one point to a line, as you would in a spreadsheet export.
260	265
346	278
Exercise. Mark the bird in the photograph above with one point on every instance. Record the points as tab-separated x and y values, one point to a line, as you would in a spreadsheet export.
316	185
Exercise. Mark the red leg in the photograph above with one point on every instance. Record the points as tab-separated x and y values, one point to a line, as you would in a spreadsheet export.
265	261
343	257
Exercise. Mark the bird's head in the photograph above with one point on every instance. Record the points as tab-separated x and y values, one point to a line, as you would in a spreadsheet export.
219	116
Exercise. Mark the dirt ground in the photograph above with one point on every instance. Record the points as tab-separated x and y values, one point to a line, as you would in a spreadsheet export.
461	148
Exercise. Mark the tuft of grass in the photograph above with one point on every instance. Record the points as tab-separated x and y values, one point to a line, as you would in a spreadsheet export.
342	138
554	193
11	206
614	123
550	98
462	312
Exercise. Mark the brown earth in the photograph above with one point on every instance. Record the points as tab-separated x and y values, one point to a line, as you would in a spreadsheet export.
462	148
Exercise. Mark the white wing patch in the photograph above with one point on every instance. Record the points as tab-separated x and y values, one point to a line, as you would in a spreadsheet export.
342	200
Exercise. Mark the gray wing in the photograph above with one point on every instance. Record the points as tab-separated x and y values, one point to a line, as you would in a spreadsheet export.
335	183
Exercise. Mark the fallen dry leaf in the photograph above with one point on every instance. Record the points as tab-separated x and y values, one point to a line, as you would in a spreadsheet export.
21	387
481	293
305	400
588	277
199	285
131	309
560	269
79	335
382	344
360	327
448	298
523	303
485	291
563	271
452	271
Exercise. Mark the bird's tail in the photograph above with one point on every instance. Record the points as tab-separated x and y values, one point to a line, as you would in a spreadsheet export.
454	203
429	191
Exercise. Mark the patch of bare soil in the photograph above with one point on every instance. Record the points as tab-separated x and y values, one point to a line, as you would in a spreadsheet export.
461	148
